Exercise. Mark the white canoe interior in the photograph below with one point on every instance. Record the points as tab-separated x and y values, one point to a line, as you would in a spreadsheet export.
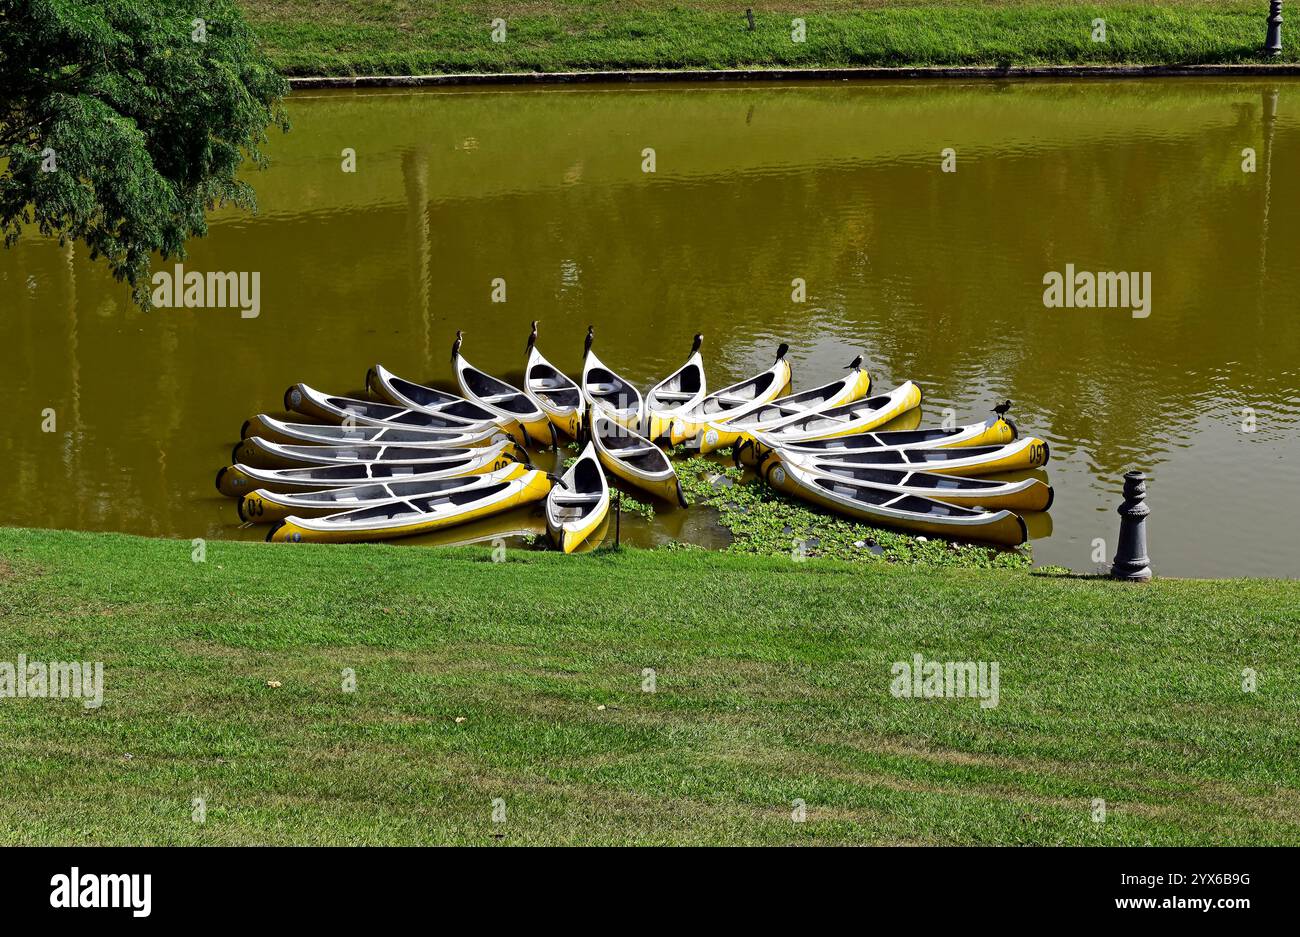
893	439
356	473
347	499
682	389
343	454
633	451
420	396
784	409
301	398
494	393
359	433
551	388
858	413
415	511
607	390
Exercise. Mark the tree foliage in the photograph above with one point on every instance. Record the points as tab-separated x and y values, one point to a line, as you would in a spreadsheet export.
122	122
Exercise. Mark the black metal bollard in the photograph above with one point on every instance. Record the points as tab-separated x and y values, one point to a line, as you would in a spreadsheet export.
1273	38
1131	560
749	15
618	519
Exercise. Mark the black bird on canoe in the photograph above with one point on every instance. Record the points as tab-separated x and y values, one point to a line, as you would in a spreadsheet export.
1002	408
455	346
854	364
532	339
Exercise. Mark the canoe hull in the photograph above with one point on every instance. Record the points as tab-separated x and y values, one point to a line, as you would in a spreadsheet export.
570	535
628	416
332	434
261	453
658	479
566	419
657	425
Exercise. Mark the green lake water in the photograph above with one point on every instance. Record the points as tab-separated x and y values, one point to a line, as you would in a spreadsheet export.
933	276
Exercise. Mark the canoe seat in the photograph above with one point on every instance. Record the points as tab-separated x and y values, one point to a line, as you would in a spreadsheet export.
736	401
548	383
563	500
497	398
673	396
632	452
606	388
563	513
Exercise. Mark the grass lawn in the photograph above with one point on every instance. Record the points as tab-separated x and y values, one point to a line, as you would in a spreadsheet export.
772	685
342	37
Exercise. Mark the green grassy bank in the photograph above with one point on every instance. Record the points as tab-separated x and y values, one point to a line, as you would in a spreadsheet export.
341	37
524	680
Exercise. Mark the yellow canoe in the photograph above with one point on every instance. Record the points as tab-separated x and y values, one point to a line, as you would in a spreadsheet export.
1028	494
414	515
555	393
264	506
675	394
331	434
264	453
1029	452
237	480
576	506
888	508
351	411
635	459
607	391
992	432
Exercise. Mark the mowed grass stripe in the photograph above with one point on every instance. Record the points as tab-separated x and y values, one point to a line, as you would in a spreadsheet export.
772	685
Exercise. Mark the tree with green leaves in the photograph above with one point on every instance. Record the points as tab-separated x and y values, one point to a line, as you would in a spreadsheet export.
123	122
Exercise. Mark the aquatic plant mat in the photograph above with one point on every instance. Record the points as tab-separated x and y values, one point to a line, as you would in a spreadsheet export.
765	522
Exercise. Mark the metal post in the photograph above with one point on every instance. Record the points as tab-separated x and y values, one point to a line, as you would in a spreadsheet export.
1273	38
618	518
1131	560
749	15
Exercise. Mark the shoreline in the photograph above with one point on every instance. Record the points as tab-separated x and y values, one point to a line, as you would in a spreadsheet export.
1045	572
864	73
